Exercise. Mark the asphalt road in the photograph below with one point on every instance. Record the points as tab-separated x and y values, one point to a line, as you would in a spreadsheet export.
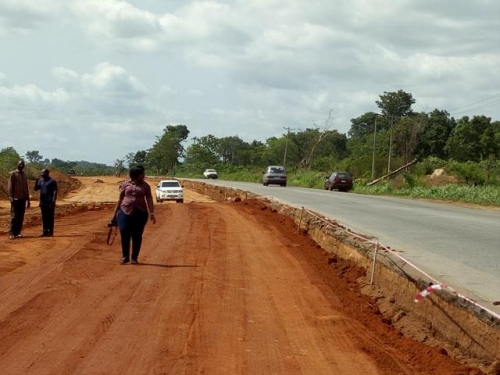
456	245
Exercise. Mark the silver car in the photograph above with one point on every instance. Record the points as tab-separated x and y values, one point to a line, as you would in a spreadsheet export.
274	175
210	173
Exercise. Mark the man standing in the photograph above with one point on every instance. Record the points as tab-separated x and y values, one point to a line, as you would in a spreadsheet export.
48	196
19	197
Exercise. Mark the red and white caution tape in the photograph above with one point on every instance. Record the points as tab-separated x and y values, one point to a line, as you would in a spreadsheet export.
431	288
426	291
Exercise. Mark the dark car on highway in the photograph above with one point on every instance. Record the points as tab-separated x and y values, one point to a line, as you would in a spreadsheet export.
341	181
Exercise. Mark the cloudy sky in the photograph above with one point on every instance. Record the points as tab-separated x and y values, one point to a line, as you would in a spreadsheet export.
96	79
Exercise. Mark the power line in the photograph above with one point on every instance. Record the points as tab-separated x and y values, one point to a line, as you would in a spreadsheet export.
478	108
479	101
485	105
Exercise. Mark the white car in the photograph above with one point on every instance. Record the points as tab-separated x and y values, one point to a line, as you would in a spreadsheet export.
210	173
169	190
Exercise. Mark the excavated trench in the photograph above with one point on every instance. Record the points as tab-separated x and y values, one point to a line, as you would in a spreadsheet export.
442	319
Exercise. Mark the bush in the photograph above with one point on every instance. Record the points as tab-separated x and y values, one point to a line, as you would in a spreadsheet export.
409	180
468	172
485	195
428	165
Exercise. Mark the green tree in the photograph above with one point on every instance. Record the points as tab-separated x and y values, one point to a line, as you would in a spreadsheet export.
8	159
253	156
435	134
334	145
137	158
140	157
274	152
364	125
407	133
464	143
489	145
61	165
396	104
304	142
93	169
128	159
168	149
33	156
491	167
204	152
311	142
119	167
228	149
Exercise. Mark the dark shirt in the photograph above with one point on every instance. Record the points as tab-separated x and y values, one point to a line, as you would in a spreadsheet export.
47	190
18	185
134	196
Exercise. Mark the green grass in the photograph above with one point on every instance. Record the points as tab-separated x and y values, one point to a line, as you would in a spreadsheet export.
482	195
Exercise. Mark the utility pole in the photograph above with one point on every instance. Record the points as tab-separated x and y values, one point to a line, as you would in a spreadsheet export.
286	143
399	114
390	150
373	151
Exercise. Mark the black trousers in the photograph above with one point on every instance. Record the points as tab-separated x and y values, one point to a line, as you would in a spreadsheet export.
132	228
47	218
17	210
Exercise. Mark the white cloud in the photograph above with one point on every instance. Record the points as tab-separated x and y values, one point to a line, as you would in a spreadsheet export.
119	22
108	83
65	74
30	96
24	15
98	107
235	67
112	80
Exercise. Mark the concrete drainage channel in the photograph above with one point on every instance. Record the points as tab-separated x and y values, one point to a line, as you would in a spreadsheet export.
394	283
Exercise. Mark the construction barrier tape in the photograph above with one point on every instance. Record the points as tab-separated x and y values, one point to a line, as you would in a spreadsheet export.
431	288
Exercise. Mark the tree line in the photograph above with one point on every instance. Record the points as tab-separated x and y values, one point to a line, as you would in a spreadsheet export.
376	143
9	158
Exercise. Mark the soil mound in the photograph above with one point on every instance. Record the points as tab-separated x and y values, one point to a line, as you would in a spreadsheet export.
66	184
440	177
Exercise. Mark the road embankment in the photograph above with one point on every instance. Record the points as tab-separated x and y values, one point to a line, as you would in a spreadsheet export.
444	318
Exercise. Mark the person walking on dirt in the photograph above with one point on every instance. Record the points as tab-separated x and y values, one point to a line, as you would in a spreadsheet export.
131	213
48	196
19	197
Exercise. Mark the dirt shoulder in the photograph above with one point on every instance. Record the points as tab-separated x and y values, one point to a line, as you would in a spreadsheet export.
221	288
79	195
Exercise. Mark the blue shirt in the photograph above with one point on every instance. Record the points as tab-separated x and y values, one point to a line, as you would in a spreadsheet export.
47	190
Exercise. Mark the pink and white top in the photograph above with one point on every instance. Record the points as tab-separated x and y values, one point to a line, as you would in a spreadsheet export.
134	196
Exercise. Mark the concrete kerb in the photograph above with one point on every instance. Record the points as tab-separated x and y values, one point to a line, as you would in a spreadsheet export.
451	316
375	246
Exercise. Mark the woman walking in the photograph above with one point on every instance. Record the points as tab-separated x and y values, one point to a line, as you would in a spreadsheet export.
131	213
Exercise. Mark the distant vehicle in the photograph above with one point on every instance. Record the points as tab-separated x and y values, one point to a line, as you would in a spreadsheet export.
210	173
342	181
169	190
71	172
274	175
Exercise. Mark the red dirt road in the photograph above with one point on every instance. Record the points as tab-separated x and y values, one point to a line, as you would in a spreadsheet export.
222	288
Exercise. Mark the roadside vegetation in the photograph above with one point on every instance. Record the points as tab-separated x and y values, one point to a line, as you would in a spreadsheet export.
481	195
457	187
455	159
